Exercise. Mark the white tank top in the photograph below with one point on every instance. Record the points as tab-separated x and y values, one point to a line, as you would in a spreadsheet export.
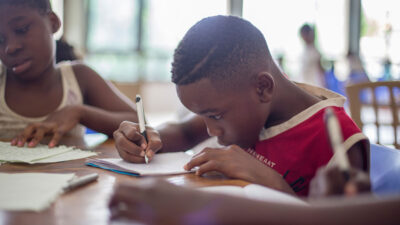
12	123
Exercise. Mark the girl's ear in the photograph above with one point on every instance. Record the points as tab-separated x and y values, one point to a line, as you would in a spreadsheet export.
54	22
265	86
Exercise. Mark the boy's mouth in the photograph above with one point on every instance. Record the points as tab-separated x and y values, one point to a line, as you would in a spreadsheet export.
21	67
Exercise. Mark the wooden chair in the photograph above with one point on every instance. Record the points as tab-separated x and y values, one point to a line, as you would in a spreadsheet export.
382	99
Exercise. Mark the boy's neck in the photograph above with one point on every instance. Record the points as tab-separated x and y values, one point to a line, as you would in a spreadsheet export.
295	101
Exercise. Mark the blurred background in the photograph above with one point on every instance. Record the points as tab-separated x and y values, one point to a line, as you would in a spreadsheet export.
131	42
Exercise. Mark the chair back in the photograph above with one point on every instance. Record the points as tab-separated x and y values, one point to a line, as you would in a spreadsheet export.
374	106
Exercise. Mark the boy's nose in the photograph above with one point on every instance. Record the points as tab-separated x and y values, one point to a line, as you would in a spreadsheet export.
213	130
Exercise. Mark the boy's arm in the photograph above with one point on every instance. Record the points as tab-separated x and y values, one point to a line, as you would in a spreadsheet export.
182	135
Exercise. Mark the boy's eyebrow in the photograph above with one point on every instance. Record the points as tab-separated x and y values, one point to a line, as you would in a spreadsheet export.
208	111
16	19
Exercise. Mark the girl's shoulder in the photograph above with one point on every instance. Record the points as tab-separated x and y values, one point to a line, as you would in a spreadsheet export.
82	72
86	77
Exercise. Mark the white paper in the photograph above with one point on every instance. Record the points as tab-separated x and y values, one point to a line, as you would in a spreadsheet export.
161	164
40	154
255	192
31	191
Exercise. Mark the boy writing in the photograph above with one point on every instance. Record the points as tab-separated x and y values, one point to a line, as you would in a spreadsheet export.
40	98
272	128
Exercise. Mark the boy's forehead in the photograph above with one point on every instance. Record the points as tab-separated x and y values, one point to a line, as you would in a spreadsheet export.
204	97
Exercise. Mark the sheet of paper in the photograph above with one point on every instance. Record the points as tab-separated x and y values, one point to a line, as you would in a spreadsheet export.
31	191
40	154
161	164
255	192
66	156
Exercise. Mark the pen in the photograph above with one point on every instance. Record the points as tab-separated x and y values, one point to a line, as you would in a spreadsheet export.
336	140
80	181
142	127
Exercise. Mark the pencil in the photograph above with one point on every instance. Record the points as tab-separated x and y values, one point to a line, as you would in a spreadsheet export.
142	124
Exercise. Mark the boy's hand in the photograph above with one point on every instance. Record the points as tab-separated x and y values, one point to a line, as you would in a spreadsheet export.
131	145
332	181
56	125
232	161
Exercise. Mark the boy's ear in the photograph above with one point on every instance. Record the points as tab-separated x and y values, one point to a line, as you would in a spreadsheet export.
55	22
265	85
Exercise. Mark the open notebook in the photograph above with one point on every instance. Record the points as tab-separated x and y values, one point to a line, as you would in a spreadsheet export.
161	164
40	154
255	192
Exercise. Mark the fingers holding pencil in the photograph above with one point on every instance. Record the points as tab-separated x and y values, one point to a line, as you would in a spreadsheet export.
131	144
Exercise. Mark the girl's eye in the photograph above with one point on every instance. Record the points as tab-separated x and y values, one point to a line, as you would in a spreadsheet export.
215	117
2	40
22	30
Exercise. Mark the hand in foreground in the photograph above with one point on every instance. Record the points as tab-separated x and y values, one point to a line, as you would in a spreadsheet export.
132	146
332	181
159	202
55	125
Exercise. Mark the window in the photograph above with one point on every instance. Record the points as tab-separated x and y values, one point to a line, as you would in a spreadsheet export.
135	39
380	38
280	22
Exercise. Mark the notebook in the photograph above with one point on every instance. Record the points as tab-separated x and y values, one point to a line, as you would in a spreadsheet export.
161	164
255	192
40	154
31	191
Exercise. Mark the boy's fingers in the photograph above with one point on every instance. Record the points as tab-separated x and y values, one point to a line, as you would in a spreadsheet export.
153	146
207	167
131	157
197	160
135	136
122	143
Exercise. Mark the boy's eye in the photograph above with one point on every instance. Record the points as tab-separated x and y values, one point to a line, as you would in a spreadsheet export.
215	117
23	29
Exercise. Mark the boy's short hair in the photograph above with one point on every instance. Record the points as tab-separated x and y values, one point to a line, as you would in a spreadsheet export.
220	48
306	28
43	6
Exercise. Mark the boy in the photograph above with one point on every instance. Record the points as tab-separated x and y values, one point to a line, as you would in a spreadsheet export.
40	98
311	70
272	128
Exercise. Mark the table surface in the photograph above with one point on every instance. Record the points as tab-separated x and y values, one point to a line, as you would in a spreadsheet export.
88	205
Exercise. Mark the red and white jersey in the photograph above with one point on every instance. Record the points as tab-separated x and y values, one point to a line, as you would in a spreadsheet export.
299	146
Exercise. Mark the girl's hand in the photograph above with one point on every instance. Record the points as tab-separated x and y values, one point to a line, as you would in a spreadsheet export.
56	125
132	146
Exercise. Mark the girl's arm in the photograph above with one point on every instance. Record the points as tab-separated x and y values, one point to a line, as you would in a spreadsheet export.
105	107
